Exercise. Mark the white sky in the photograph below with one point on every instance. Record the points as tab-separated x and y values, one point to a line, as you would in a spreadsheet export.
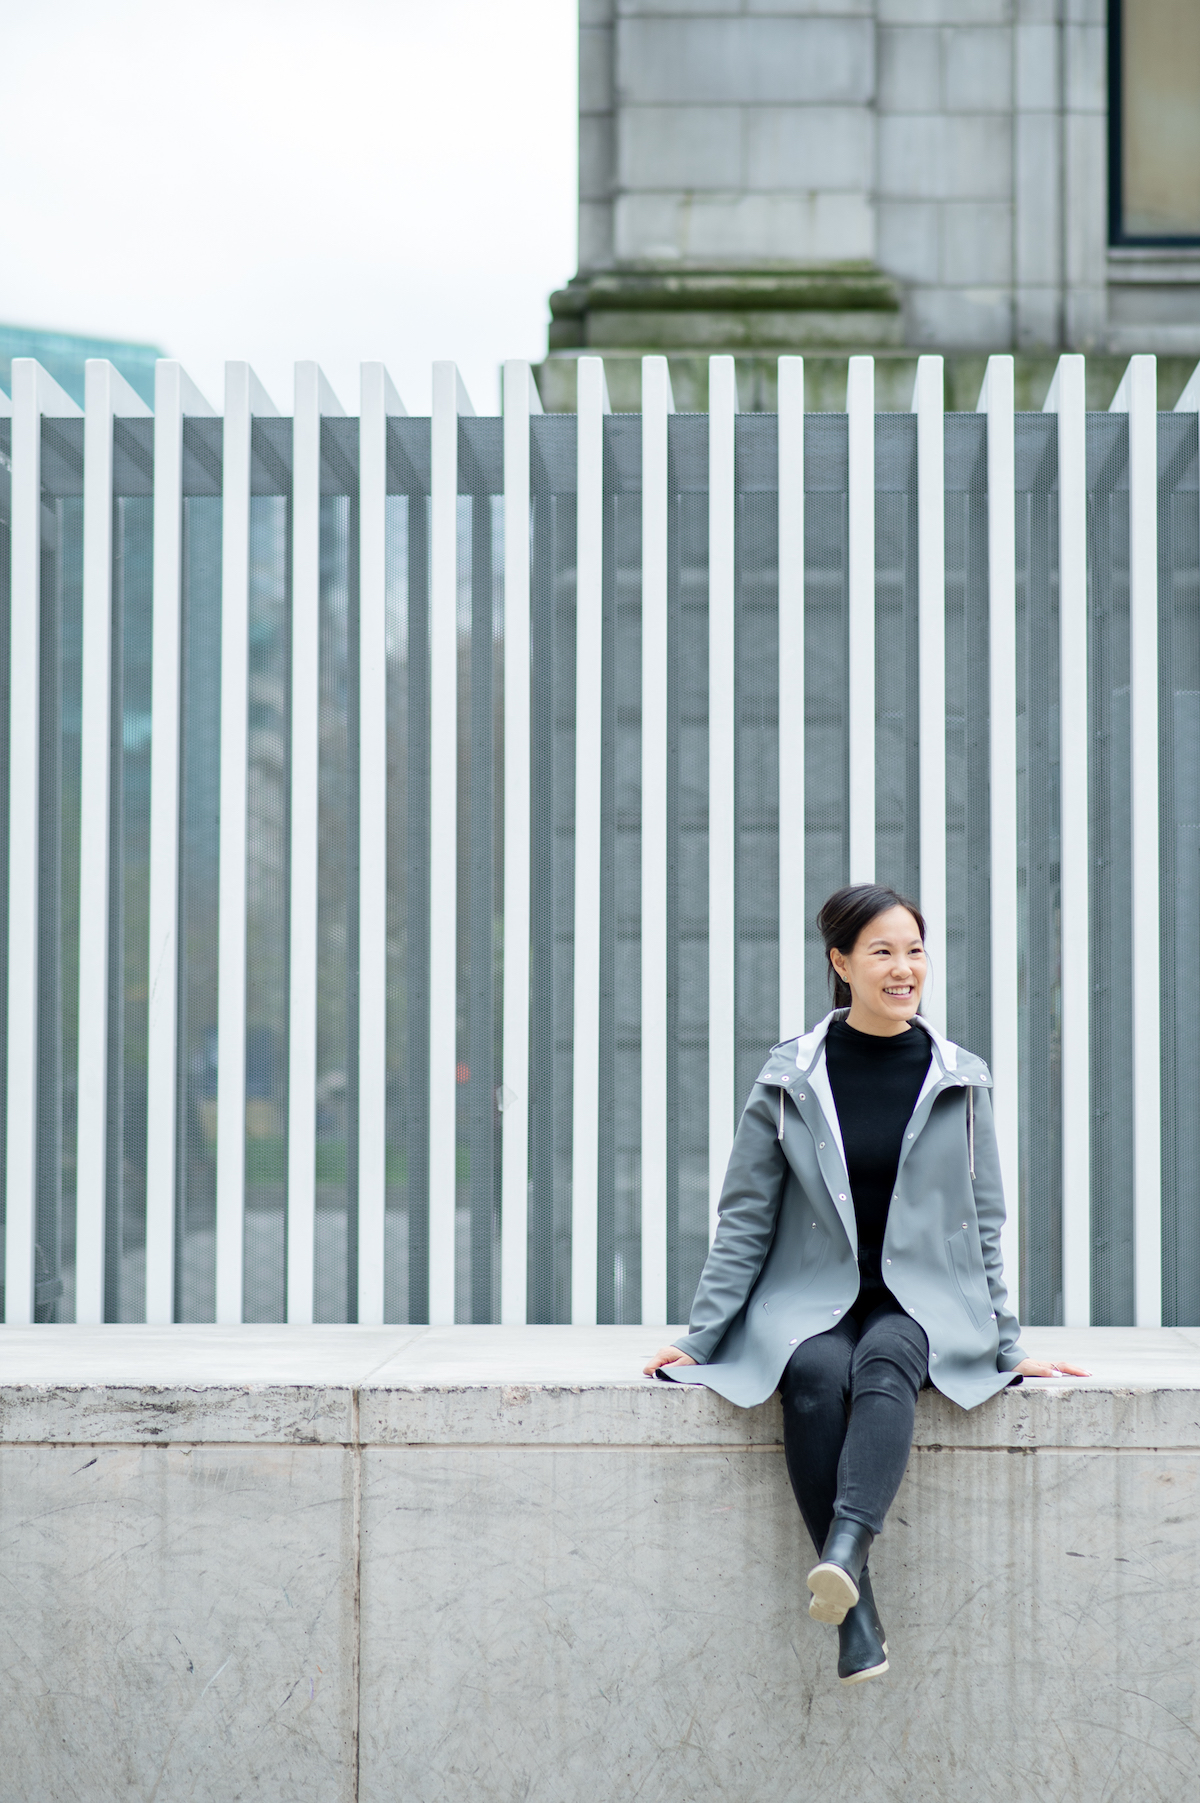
277	179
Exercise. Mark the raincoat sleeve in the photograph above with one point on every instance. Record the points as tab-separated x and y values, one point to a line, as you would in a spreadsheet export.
747	1214
989	1209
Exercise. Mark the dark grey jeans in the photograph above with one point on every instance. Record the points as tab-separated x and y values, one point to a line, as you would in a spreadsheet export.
849	1396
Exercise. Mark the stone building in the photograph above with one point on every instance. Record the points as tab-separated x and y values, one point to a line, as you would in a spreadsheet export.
892	176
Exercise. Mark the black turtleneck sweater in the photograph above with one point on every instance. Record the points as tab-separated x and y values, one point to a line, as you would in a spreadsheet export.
875	1083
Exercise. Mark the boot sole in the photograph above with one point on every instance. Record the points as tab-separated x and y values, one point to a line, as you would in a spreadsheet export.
834	1593
872	1671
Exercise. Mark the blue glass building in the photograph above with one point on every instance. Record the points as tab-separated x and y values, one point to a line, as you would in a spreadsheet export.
63	355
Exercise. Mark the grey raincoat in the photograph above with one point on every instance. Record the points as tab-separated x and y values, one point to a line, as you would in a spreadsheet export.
784	1263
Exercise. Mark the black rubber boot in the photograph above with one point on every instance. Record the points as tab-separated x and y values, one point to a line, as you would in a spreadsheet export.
834	1581
862	1644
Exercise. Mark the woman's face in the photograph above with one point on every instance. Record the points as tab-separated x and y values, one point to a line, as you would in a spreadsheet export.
886	969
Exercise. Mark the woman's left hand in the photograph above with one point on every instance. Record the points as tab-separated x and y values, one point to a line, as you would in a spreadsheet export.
667	1355
1038	1368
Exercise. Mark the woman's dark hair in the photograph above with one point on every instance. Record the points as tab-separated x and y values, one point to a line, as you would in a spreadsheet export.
846	915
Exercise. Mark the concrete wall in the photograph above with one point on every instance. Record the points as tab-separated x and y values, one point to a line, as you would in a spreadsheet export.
992	133
717	133
959	144
495	1564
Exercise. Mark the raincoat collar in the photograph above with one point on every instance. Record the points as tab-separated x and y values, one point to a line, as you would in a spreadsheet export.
801	1055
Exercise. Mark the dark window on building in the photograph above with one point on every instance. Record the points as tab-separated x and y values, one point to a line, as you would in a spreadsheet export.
1154	121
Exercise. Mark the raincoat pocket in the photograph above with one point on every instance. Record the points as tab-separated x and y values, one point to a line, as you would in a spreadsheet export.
814	1259
966	1279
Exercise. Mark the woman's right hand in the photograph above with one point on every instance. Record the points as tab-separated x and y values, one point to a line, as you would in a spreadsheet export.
1038	1368
666	1355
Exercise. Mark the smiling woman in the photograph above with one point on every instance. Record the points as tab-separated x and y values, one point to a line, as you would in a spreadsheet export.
880	978
857	1256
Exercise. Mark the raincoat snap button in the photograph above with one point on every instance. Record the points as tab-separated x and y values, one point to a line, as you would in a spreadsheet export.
910	1136
841	1198
801	1095
887	1261
837	1311
820	1145
933	1356
964	1226
793	1342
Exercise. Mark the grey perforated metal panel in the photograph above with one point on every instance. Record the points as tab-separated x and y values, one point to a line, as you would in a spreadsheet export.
480	864
897	766
968	974
1109	845
1036	495
552	865
406	1288
129	867
826	687
1179	827
58	873
199	823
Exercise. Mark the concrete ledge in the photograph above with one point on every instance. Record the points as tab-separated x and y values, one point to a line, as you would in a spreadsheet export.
523	1386
498	1565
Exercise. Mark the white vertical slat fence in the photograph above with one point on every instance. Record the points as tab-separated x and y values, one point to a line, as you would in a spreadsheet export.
792	905
996	401
314	401
592	406
175	396
1066	399
36	397
450	400
378	403
722	762
107	396
245	399
657	404
928	405
521	400
860	410
1137	396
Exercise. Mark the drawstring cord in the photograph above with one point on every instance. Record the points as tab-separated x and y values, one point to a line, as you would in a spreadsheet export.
779	1135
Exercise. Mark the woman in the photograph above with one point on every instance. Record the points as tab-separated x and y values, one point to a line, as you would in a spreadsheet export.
857	1256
